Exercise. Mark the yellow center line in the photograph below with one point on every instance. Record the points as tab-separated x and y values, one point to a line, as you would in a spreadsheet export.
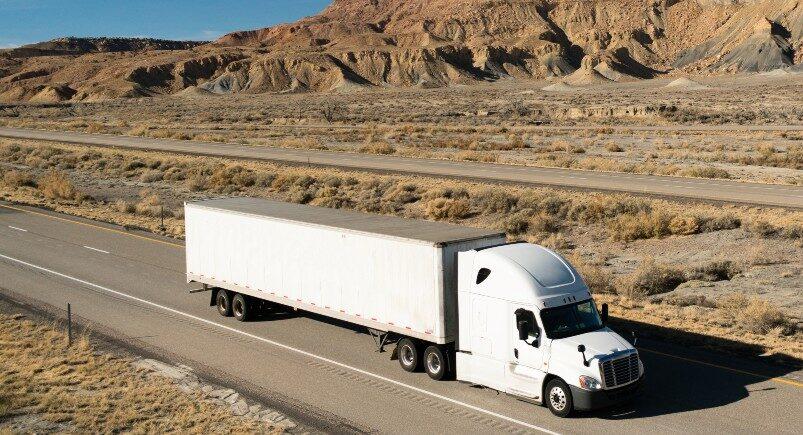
112	230
176	245
730	369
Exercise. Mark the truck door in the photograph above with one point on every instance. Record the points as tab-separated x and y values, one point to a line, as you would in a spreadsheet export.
524	371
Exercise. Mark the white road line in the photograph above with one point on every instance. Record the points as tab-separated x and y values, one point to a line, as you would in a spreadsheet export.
18	229
96	249
286	347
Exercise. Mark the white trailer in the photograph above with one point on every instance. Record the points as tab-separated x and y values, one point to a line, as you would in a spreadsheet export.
459	301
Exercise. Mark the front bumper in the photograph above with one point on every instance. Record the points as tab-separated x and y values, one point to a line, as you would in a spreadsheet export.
585	400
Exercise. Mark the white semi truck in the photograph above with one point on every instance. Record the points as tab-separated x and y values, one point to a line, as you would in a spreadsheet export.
458	302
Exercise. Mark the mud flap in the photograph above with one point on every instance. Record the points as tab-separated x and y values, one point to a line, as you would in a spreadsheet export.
213	299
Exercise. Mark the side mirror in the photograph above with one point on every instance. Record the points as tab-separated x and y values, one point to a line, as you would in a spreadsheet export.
604	314
523	329
582	349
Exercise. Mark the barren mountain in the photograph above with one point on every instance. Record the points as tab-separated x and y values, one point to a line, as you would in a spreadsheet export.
365	43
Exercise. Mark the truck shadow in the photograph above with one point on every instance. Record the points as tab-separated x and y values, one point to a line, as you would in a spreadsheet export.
681	377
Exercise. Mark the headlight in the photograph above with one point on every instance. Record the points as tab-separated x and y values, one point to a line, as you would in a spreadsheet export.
589	383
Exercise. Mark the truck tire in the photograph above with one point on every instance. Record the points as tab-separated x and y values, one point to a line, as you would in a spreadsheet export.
241	307
436	362
558	398
409	355
223	302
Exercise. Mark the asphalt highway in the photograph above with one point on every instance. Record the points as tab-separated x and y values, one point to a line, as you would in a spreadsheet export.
134	284
675	187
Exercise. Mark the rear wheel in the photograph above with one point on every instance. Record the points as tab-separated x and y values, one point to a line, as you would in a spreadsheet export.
559	398
436	363
407	351
241	307
223	302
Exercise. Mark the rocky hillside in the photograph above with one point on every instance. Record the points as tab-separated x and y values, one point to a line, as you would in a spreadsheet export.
365	43
77	46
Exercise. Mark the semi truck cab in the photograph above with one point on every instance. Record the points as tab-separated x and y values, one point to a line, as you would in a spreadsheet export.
528	326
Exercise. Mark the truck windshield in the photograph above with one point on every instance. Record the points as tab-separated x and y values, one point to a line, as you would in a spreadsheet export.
569	320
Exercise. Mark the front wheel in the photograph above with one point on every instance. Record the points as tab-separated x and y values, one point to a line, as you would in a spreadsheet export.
559	398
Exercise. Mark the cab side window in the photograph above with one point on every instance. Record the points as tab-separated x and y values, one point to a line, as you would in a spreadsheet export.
483	274
527	326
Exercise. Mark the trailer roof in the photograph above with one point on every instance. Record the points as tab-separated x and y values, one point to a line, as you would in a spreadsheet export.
413	229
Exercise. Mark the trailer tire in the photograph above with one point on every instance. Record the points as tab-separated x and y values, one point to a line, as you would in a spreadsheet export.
241	307
436	362
223	302
558	398
409	354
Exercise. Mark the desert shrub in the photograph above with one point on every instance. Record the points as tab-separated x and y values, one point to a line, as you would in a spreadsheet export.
305	143
494	201
714	271
231	178
447	209
150	204
556	242
688	301
650	278
544	223
124	206
755	315
761	228
133	165
613	147
196	183
16	179
517	224
151	176
603	207
95	127
299	195
377	148
139	130
476	156
402	193
641	226
57	185
724	221
446	192
174	173
705	172
596	278
685	224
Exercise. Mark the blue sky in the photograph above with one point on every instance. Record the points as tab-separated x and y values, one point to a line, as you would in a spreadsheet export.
27	21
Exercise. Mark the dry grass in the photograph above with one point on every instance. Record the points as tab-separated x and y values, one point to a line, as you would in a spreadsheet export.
651	278
377	148
96	392
56	185
16	178
541	215
734	323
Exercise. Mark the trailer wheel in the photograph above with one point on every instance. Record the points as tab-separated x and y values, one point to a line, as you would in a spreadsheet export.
559	398
436	362
409	356
241	307
223	302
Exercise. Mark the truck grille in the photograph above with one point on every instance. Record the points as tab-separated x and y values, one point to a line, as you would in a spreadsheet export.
620	371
